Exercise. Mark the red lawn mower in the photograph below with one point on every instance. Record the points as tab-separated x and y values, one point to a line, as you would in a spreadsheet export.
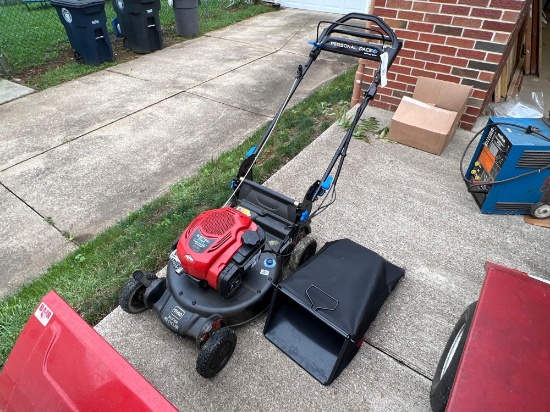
223	268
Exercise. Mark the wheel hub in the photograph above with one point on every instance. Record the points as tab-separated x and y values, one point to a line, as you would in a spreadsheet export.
542	212
220	355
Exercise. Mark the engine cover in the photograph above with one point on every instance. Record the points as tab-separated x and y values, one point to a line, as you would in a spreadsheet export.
219	246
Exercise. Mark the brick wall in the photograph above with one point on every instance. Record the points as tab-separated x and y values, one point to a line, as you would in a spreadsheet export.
461	41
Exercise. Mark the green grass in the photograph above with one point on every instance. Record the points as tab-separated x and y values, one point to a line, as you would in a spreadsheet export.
65	73
31	38
90	278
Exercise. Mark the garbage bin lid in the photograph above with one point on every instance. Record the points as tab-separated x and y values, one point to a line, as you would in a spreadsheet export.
77	4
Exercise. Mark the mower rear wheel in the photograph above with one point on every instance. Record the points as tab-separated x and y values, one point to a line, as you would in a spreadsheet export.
216	352
303	251
540	210
131	296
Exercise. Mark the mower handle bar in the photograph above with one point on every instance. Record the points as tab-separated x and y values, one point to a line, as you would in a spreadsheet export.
364	35
365	17
342	46
356	47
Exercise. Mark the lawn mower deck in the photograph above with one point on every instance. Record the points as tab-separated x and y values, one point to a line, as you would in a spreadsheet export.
223	269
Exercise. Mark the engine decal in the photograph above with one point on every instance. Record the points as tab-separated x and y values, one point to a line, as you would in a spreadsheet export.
198	243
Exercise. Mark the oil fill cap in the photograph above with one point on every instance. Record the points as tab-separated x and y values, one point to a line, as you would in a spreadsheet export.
269	262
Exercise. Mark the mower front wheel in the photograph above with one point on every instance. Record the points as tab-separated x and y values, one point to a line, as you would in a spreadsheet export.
131	296
303	251
216	352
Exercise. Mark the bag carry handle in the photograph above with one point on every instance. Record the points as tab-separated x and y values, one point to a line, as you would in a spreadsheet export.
332	300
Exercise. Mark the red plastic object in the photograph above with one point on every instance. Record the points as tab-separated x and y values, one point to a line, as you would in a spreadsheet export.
59	363
505	365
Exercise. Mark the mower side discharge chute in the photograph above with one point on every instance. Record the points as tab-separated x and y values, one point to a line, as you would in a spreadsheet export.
59	363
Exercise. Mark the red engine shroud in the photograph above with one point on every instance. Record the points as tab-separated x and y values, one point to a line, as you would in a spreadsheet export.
208	244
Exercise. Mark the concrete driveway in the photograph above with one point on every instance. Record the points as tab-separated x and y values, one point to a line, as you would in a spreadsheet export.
409	206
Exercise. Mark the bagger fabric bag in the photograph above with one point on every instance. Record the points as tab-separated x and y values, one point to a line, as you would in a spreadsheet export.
320	314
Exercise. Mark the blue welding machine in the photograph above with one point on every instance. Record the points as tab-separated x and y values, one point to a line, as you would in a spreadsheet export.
512	152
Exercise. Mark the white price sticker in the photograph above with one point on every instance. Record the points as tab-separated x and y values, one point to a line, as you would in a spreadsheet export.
43	313
384	69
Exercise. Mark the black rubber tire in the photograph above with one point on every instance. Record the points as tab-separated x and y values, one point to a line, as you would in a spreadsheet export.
304	250
216	352
540	210
444	378
131	296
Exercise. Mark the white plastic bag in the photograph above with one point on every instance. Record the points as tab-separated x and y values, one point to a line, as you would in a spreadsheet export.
518	109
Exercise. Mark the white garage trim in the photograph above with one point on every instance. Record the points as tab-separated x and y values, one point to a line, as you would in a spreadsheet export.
330	6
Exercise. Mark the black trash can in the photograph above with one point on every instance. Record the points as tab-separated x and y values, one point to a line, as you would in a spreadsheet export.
140	24
86	27
186	14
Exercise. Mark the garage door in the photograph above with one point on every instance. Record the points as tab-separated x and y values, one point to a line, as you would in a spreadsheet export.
330	6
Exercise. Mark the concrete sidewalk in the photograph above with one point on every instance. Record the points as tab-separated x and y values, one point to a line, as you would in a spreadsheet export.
10	91
76	158
409	206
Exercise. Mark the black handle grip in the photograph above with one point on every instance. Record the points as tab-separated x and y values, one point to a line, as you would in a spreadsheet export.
334	27
357	46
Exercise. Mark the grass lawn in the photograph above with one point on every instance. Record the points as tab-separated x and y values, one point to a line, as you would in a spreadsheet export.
90	278
37	37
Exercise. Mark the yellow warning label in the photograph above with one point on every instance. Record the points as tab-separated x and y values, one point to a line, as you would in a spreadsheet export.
243	210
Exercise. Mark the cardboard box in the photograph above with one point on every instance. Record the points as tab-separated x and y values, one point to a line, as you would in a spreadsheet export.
429	120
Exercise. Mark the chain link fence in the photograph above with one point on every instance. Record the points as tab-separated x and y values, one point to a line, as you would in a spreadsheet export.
31	33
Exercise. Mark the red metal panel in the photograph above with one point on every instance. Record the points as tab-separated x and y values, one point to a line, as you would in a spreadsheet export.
505	365
59	363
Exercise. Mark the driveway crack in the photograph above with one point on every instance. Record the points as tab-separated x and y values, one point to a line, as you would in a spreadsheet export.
46	219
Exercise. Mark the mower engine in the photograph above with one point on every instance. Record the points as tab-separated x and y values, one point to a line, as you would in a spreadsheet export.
218	247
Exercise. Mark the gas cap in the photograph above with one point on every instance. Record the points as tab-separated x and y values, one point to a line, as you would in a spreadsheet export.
250	238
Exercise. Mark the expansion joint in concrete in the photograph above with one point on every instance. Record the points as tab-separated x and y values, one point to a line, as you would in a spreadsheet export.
72	139
399	361
46	219
232	106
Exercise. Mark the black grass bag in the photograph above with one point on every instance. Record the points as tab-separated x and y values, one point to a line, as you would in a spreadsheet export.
319	314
